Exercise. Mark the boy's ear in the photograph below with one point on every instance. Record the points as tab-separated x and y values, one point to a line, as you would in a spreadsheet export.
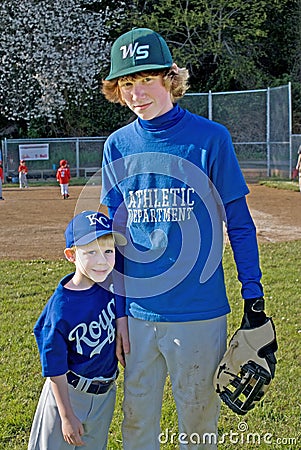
69	254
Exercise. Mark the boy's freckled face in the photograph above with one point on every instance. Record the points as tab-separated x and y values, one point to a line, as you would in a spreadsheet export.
96	260
147	97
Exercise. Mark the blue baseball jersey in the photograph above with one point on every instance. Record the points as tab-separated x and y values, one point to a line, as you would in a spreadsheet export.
76	331
167	181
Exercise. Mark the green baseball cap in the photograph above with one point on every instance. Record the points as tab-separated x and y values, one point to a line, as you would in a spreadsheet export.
138	50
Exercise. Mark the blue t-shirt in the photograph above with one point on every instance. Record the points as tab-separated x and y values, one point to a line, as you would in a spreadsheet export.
167	180
76	331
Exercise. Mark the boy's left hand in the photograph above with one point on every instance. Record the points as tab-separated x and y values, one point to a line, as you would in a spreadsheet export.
72	430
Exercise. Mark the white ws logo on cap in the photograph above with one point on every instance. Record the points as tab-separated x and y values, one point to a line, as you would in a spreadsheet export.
102	220
141	51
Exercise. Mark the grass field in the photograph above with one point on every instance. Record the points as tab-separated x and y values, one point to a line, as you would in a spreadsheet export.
25	287
288	185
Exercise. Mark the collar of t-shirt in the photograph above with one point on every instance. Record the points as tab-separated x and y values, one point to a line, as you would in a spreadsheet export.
165	121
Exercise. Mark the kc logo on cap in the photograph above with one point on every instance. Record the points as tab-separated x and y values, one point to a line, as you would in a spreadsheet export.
100	218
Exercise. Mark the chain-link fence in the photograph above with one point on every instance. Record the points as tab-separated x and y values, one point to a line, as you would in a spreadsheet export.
258	120
296	143
83	155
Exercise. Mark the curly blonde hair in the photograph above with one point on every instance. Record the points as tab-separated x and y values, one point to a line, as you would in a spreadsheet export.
175	80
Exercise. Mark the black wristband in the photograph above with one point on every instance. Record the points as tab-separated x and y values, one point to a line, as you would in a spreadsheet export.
254	315
254	305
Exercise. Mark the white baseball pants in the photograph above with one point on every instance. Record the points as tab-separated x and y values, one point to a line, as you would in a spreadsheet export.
64	189
23	180
190	353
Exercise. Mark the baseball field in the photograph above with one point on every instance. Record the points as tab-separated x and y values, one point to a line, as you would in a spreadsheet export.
32	224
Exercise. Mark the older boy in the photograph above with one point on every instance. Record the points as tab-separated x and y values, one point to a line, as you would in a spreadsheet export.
76	338
171	178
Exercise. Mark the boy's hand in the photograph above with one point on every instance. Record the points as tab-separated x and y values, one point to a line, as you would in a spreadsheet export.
72	430
122	339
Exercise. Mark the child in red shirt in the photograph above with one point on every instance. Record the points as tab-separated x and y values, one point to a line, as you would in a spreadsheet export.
23	170
63	177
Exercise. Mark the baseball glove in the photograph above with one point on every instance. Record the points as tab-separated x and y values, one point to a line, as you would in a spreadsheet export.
247	368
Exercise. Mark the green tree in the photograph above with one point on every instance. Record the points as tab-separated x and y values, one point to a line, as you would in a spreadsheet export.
54	54
222	42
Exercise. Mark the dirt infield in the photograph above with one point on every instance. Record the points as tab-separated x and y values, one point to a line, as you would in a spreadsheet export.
33	220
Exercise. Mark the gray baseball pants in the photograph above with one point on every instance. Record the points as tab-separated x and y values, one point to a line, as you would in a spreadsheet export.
189	352
94	411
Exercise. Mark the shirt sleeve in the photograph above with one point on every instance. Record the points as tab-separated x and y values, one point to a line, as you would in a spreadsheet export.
225	171
242	235
53	350
112	174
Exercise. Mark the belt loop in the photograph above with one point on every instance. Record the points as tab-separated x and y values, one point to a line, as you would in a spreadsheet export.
83	384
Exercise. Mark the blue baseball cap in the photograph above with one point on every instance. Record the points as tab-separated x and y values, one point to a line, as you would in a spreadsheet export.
87	226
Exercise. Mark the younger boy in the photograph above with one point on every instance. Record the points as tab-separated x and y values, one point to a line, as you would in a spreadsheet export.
76	339
63	177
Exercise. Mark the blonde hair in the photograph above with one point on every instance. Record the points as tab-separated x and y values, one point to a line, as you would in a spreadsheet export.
174	79
106	238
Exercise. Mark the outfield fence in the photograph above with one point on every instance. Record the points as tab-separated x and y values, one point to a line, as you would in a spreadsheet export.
84	155
260	123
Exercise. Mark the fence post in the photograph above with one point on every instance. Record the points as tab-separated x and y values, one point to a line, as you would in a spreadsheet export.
77	157
290	129
210	105
268	134
4	148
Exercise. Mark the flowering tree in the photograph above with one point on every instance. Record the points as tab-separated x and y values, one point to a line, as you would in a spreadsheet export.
51	51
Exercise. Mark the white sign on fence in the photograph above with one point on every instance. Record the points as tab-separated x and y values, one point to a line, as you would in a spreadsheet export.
33	151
